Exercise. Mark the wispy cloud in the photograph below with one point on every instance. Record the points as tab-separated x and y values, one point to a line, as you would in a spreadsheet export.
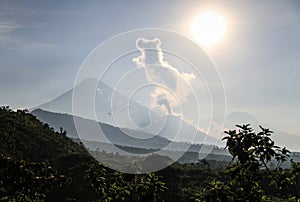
7	27
10	42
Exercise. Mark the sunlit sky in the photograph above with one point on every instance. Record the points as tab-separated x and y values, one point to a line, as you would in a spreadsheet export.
42	45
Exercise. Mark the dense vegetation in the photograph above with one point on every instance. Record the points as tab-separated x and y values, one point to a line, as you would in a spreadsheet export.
39	164
250	177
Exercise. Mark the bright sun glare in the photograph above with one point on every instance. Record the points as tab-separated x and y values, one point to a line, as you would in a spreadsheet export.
208	28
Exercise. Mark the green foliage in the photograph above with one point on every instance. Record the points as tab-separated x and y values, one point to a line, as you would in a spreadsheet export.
26	181
39	164
26	138
148	187
115	186
250	176
215	191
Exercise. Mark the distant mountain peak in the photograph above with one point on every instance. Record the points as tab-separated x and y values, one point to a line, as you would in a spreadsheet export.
240	117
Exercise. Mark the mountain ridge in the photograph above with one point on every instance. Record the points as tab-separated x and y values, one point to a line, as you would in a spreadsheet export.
58	120
118	115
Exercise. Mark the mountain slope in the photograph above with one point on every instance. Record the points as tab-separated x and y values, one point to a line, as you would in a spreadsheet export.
24	140
113	134
25	137
102	102
122	115
117	136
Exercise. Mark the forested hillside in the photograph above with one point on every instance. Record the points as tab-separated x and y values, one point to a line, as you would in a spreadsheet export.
39	164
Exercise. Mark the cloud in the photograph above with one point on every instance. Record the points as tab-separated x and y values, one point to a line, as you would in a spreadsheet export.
7	27
12	42
163	101
173	86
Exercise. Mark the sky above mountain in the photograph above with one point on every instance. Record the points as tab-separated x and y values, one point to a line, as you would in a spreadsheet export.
43	44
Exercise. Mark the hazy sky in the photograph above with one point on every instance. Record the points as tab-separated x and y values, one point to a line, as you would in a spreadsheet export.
42	45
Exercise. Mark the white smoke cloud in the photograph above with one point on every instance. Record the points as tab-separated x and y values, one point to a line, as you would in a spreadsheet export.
175	85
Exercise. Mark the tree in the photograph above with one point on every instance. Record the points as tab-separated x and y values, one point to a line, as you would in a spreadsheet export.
115	186
250	178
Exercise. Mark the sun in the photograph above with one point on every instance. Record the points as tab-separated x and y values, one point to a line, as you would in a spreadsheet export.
208	28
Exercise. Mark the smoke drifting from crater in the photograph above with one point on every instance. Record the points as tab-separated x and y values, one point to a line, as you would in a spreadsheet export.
173	86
